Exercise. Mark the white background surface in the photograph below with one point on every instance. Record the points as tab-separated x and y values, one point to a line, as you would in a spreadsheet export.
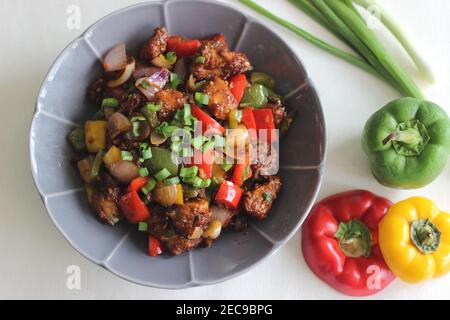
34	256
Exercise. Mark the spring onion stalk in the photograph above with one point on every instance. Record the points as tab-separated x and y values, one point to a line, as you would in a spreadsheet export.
308	8
402	38
345	10
351	38
356	61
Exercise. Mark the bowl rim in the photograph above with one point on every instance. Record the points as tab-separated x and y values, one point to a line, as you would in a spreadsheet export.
192	283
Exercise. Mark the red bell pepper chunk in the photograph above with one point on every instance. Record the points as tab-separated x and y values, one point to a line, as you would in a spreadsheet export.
229	195
133	208
155	248
237	86
220	37
137	184
264	121
241	173
347	267
204	162
208	123
182	47
248	119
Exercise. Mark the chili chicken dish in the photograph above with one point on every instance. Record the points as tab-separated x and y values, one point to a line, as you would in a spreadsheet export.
171	147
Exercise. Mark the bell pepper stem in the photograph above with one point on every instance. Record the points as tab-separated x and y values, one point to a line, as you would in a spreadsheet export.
354	238
409	136
425	236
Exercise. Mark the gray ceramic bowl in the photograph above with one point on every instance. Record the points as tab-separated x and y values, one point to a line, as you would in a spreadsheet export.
61	105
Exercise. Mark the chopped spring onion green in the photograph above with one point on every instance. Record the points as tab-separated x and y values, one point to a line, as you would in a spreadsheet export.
208	146
143	226
110	103
187	152
189	172
175	80
143	146
151	184
163	174
202	98
153	107
227	166
138	118
135	125
171	57
198	182
147	154
126	156
166	130
198	141
143	172
172	181
200	84
200	59
176	145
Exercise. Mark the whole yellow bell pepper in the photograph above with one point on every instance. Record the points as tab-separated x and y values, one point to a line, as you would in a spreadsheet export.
414	238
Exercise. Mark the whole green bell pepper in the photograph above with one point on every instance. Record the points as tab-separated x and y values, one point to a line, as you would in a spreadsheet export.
408	143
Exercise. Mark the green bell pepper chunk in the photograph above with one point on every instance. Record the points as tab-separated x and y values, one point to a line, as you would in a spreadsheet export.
76	138
255	96
407	143
161	159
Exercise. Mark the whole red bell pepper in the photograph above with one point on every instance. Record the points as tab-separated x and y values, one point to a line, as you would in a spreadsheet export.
155	248
182	47
237	86
133	208
208	123
137	184
264	121
229	195
340	243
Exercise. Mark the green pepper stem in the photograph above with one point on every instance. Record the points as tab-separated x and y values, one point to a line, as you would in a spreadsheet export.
354	239
425	236
410	136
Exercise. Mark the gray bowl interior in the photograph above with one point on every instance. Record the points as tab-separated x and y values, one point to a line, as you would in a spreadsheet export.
61	105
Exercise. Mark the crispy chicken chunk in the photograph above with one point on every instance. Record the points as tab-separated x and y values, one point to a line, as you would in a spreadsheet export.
221	100
258	202
188	217
170	100
105	199
156	46
159	227
279	112
219	61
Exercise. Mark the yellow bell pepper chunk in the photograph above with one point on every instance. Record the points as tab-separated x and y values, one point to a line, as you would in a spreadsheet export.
95	135
234	118
180	196
415	253
113	155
